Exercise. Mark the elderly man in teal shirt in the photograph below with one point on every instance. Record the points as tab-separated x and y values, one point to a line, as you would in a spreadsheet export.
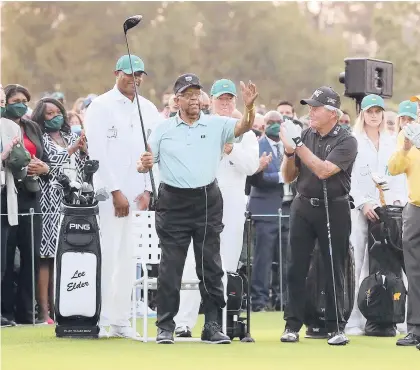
188	148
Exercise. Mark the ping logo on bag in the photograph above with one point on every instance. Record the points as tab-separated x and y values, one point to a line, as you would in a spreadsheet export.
79	226
85	227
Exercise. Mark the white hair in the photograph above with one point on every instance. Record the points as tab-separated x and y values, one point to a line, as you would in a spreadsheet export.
337	111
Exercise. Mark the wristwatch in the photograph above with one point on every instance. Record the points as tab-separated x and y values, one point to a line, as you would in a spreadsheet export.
289	155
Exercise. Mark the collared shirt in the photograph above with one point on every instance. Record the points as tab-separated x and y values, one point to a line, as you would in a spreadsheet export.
189	155
368	161
338	147
408	163
115	138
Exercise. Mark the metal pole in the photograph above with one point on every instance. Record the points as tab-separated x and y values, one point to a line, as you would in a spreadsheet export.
280	260
32	211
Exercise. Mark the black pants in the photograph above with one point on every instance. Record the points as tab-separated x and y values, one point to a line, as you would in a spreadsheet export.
180	216
308	223
16	293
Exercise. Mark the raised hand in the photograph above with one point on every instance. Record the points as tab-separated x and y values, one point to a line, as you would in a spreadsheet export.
249	94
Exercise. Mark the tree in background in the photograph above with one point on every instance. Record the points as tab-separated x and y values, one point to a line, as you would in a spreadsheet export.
288	49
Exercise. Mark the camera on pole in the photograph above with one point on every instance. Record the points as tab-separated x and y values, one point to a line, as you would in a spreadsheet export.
364	76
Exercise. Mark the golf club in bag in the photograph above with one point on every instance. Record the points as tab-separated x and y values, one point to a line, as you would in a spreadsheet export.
78	258
339	339
129	23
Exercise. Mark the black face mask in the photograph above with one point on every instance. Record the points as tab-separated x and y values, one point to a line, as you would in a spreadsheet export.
171	114
206	111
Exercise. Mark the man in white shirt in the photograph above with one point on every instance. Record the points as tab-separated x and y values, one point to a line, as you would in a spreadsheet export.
114	134
239	161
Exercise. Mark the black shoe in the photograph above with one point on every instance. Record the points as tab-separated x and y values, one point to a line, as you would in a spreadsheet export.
6	322
409	340
418	346
183	332
259	309
290	336
212	333
164	337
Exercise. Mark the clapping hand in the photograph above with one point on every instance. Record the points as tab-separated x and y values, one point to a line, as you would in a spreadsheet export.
412	133
37	167
290	135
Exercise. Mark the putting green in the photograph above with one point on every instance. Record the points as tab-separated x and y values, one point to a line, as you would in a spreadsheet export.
37	348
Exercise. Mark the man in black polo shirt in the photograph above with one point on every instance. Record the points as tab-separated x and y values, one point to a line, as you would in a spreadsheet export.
323	152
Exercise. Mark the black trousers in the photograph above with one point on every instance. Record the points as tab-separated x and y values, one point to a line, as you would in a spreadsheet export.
308	223
16	293
181	215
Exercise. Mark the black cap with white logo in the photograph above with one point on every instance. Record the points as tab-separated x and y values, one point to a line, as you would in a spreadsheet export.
323	96
185	81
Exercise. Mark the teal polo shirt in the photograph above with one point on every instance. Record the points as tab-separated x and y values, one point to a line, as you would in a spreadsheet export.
189	156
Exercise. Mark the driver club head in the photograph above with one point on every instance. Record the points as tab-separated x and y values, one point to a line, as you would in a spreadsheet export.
338	340
131	22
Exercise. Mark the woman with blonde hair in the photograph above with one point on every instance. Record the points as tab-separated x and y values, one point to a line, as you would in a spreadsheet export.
375	147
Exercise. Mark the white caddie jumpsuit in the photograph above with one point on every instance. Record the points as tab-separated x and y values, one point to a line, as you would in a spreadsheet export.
363	190
242	161
114	137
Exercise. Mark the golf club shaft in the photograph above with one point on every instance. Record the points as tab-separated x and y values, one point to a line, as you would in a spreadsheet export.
248	273
152	180
324	185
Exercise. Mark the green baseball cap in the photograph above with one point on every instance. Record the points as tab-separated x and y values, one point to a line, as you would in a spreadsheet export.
123	64
372	100
18	161
407	108
221	87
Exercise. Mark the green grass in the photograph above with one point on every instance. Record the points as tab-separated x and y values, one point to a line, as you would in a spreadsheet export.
33	348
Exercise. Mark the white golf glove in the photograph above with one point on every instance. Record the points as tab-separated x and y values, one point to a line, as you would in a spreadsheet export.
380	181
412	133
292	134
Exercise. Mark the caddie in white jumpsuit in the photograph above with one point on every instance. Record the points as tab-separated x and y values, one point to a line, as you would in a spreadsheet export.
239	161
114	134
375	147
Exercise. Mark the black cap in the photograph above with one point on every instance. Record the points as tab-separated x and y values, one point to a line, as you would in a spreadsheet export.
323	96
185	81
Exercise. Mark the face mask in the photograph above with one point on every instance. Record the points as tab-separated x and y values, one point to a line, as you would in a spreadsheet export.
172	114
76	129
273	130
16	110
347	127
3	110
54	124
206	111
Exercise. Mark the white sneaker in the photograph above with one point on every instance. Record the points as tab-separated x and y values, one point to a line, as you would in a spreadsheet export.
103	333
354	331
123	332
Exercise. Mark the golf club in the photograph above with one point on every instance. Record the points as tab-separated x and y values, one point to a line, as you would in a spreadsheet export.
128	24
339	339
248	338
101	195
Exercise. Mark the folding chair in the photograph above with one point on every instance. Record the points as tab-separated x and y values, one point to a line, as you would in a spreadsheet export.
147	252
